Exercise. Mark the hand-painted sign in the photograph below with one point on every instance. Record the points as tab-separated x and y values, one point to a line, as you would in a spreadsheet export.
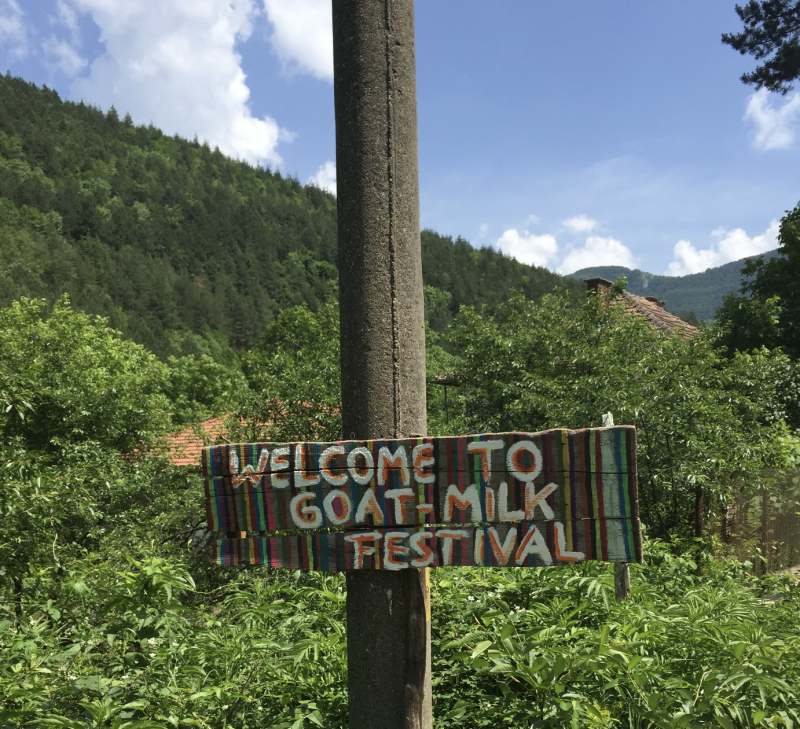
568	496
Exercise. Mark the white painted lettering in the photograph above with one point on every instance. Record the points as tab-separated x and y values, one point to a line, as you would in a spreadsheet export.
397	461
360	474
325	459
279	461
524	460
449	536
533	543
561	547
484	450
422	457
303	515
338	507
361	548
534	499
419	543
399	496
369	504
505	514
455	499
394	553
301	477
502	552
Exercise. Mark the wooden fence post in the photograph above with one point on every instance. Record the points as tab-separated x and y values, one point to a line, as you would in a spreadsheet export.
622	573
382	333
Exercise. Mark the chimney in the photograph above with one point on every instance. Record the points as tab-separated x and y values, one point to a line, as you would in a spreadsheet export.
655	300
598	285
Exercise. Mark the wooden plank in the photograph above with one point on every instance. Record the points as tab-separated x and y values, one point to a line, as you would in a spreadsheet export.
622	581
257	507
586	474
590	450
527	544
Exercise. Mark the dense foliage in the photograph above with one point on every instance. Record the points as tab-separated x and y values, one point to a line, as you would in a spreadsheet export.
766	313
771	32
111	617
184	250
763	281
293	376
134	644
703	421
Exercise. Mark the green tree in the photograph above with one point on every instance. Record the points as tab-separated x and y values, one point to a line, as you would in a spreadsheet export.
294	378
771	32
766	312
532	366
779	276
66	378
745	323
81	409
201	388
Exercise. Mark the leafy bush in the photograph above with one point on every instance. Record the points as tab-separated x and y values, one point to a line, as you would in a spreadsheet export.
66	377
551	648
697	644
703	421
112	618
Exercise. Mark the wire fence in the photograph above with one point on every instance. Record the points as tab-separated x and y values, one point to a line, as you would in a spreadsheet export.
765	527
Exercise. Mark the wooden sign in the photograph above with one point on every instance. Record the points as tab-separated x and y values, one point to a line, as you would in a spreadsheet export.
558	496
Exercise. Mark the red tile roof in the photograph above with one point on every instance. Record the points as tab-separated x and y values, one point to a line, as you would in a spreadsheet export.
648	307
653	310
185	446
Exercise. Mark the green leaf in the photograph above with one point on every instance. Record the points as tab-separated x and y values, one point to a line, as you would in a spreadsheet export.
480	648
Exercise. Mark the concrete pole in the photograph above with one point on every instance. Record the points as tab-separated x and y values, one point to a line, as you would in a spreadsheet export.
382	333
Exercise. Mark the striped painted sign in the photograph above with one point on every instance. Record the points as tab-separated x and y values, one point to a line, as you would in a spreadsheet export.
526	544
577	487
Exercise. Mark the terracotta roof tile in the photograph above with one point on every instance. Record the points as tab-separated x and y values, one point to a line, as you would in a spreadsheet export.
186	445
648	307
653	310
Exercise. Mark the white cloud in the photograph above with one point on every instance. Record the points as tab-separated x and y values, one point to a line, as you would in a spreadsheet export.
174	63
68	17
302	35
598	251
731	245
483	230
580	224
775	126
13	33
64	56
325	178
535	250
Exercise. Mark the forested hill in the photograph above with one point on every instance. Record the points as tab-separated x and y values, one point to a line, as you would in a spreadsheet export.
698	292
184	249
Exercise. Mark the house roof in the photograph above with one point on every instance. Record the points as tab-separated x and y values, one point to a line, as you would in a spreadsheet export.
185	446
648	307
653	310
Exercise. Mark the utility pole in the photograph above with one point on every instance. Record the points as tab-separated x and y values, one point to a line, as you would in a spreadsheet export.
382	334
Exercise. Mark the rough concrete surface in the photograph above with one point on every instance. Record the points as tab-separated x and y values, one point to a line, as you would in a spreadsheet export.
382	330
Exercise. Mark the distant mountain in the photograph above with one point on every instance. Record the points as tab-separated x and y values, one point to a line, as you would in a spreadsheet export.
698	292
183	249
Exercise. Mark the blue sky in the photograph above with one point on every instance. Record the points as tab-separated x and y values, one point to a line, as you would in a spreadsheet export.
567	133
